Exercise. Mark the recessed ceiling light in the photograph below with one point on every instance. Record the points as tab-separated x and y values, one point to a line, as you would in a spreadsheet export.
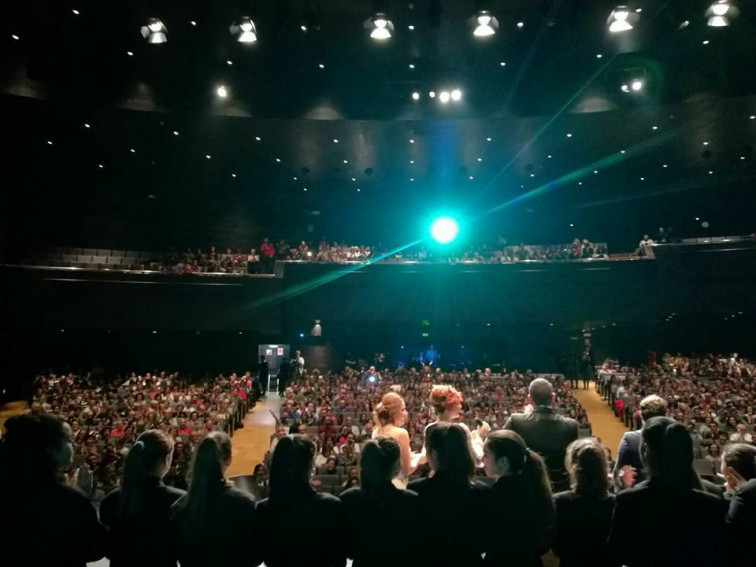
412	178
752	117
572	224
654	127
175	133
639	10
49	142
358	189
304	188
335	141
665	165
278	160
595	171
432	94
488	139
480	159
742	157
705	42
623	152
599	56
75	12
706	143
354	179
502	63
208	156
221	91
15	37
233	175
416	96
569	135
321	65
471	178
532	175
711	173
456	95
295	179
580	182
100	166
130	53
258	138
132	150
229	62
346	161
411	65
193	22
412	161
520	25
412	141
410	27
86	125
642	178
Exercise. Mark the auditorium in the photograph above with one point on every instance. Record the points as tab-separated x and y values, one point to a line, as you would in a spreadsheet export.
369	283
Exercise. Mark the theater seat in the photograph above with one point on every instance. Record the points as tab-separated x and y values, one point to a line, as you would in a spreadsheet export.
244	482
327	479
704	468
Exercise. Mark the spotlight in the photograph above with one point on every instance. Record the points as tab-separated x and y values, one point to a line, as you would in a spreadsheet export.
380	26
636	85
720	13
622	19
444	230
221	91
456	95
416	96
244	30
432	94
485	24
444	97
155	31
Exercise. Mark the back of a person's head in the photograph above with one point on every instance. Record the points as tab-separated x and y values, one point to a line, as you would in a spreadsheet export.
653	406
388	408
35	447
443	396
291	466
667	450
210	460
379	462
585	460
541	392
449	452
741	457
147	458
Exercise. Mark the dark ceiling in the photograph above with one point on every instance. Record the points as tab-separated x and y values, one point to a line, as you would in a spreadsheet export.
103	148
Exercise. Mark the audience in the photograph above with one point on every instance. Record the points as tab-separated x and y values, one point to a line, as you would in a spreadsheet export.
667	520
584	513
203	518
292	500
138	512
546	432
520	501
452	506
378	501
45	520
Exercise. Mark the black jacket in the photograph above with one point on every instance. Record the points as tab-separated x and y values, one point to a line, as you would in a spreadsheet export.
741	524
628	453
223	539
581	529
660	525
452	522
318	541
548	434
47	524
144	540
363	513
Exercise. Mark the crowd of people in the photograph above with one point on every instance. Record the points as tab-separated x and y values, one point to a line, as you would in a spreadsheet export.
547	489
107	414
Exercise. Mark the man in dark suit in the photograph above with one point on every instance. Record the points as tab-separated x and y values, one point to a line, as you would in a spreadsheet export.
741	523
545	432
628	470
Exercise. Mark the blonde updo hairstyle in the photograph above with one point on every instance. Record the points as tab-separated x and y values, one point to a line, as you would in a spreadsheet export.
389	408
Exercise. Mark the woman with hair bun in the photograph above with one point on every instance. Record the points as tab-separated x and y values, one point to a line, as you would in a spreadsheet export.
391	415
201	519
138	512
383	503
520	502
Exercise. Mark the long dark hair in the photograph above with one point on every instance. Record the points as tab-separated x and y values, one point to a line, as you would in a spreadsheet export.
379	462
149	451
585	460
33	448
207	475
526	467
291	466
451	450
667	451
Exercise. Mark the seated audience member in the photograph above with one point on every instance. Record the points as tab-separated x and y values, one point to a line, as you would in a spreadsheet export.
739	471
382	503
138	512
452	507
202	518
584	514
628	470
322	543
667	520
45	521
520	504
546	432
740	435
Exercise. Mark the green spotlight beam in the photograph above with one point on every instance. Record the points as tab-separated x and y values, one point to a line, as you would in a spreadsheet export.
584	171
306	287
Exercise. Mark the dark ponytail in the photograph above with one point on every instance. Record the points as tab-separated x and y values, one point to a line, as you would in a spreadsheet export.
213	452
291	466
667	451
379	462
147	454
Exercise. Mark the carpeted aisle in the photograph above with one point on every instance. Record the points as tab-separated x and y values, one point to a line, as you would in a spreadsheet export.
605	425
252	441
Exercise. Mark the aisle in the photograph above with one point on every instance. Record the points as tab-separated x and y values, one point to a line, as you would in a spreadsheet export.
605	424
10	409
251	442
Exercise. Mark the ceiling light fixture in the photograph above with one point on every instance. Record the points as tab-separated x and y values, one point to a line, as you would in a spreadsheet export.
221	91
432	94
416	96
155	31
720	13
456	95
444	97
380	26
622	19
244	30
485	24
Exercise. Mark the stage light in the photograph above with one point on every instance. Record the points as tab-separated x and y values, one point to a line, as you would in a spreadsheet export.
244	30
432	94
155	31
221	91
485	24
720	13
622	19
636	85
444	97
380	26
444	230
416	96
456	95
15	37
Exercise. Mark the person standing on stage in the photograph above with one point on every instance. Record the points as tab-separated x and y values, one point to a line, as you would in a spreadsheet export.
545	432
391	415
